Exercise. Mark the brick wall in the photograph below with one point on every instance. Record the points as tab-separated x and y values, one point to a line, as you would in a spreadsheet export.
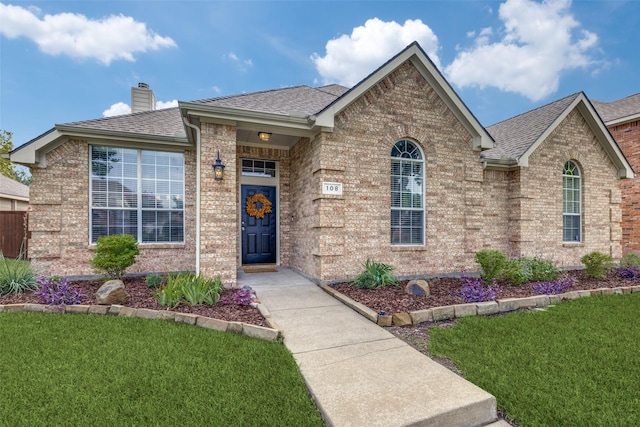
540	197
627	135
347	230
59	221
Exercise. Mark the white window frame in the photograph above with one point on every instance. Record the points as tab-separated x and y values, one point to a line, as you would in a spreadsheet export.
140	207
576	200
402	159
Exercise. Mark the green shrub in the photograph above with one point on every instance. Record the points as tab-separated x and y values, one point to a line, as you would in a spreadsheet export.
496	265
375	275
492	263
630	260
189	288
597	264
153	281
16	276
114	254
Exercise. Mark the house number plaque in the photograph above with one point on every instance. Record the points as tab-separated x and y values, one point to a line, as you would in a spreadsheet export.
334	188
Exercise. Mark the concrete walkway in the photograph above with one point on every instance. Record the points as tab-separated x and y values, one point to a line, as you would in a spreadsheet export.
358	373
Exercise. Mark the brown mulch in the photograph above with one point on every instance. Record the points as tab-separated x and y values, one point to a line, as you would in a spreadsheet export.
445	291
140	297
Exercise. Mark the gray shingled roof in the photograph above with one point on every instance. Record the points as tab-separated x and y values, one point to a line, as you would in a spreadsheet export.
13	188
165	122
168	123
297	99
516	135
625	107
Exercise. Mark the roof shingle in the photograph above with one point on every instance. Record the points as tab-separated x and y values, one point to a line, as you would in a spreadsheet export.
625	107
514	136
13	188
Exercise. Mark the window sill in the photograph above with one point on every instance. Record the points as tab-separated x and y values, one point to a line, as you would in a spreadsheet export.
93	246
572	244
404	248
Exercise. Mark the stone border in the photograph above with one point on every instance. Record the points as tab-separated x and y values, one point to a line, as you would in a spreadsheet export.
471	309
269	334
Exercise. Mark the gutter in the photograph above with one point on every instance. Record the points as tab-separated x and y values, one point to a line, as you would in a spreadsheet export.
197	129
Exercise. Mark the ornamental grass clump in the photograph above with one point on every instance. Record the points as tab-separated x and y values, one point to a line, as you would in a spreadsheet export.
376	275
630	260
188	288
474	290
57	291
16	276
114	254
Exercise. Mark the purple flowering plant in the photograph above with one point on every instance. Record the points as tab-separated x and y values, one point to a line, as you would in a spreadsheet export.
629	272
553	288
242	297
57	291
474	290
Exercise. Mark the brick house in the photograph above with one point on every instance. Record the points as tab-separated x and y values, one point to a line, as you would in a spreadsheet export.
622	117
396	169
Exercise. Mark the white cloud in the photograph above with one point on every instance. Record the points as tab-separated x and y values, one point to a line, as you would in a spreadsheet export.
242	64
111	38
117	109
350	58
538	42
161	105
120	108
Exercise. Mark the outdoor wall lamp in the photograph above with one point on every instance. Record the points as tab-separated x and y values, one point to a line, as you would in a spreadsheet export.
218	169
264	136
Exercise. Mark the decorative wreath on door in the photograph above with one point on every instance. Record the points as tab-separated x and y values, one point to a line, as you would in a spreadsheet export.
252	205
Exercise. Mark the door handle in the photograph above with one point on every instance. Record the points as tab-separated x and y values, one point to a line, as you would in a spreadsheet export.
242	228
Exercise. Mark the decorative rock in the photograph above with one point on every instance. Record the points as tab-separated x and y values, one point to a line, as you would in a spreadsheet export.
417	287
401	319
112	292
385	320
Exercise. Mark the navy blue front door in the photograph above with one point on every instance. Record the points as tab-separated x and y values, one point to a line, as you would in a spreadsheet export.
259	229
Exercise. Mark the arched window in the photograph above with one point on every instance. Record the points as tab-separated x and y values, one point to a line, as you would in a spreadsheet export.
571	203
407	195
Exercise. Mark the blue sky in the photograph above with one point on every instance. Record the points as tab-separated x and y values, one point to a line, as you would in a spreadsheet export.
64	61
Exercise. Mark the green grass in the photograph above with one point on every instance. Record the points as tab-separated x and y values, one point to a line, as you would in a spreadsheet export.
575	364
89	370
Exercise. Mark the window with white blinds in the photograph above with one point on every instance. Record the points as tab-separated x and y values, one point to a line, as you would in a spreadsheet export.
137	192
407	199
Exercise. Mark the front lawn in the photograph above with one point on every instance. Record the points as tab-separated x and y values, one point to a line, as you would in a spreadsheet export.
575	364
72	370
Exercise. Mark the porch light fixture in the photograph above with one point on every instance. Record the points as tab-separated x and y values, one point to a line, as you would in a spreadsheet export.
218	169
264	136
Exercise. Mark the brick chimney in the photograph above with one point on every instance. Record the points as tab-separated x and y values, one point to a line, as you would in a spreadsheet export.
142	98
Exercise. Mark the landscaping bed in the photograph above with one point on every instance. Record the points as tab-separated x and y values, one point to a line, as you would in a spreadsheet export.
140	297
445	291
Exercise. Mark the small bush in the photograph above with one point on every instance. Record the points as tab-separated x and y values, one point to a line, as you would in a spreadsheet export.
519	271
553	288
630	260
16	276
376	275
474	290
56	291
597	264
492	263
114	254
189	288
153	281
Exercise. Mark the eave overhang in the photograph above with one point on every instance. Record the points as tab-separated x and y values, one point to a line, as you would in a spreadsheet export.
33	153
597	126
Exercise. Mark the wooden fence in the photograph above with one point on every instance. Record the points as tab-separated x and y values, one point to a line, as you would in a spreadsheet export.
13	234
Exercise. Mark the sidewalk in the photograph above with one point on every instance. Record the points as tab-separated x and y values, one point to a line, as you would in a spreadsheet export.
358	373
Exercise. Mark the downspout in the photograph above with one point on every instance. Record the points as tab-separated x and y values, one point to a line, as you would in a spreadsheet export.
197	129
